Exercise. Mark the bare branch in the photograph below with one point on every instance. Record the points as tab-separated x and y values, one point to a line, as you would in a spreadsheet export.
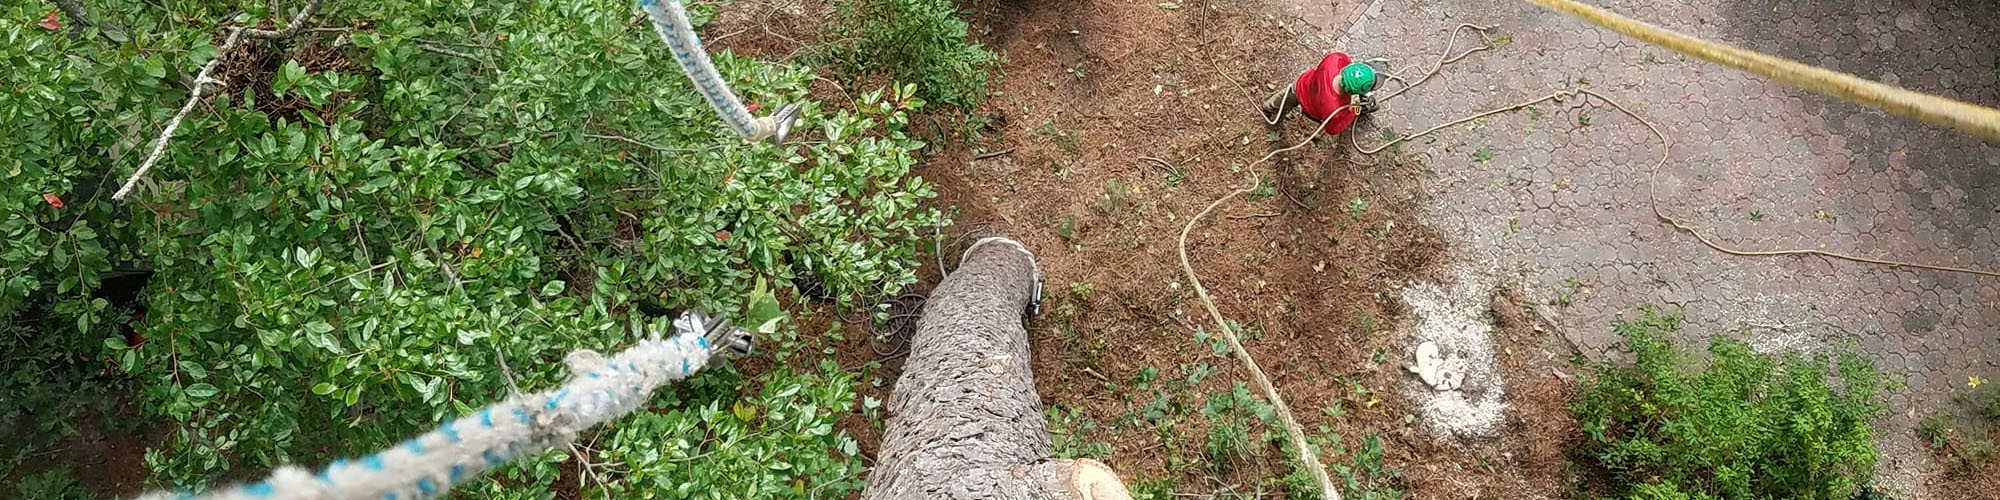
202	81
636	142
446	52
200	91
290	30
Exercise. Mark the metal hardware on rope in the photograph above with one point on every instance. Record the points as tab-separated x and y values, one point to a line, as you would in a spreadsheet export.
671	21
600	389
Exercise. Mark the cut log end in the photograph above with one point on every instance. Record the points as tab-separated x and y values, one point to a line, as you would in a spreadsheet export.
1092	480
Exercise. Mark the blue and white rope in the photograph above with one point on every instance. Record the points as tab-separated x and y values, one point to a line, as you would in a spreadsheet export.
599	390
671	21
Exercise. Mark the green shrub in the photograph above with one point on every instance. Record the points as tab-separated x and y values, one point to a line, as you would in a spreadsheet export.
914	41
52	484
1744	425
780	443
346	242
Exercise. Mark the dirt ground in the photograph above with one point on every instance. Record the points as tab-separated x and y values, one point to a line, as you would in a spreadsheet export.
1112	123
1966	467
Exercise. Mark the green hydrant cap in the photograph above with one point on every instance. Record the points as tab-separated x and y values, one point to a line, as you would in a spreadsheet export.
1357	79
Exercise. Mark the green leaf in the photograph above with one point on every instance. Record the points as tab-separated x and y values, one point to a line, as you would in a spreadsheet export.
322	388
763	311
156	67
553	288
319	327
201	390
193	369
306	258
288	76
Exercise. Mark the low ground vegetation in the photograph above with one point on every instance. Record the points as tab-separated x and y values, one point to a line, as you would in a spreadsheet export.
1739	424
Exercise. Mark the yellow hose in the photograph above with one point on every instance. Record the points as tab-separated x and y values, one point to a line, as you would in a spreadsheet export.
1980	121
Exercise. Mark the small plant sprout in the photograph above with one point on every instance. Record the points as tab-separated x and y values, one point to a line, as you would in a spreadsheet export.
1356	207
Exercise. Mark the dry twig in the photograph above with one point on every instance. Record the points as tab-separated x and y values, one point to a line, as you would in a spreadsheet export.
202	81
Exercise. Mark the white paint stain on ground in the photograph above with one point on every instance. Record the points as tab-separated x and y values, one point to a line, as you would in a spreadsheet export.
1453	316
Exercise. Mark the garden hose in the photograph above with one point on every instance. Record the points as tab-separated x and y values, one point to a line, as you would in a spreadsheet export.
1974	119
671	21
600	389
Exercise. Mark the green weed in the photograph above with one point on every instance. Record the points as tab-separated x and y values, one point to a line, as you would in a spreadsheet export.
1065	139
1356	207
1070	435
1230	415
1265	189
53	484
1985	398
915	41
1156	488
1935	430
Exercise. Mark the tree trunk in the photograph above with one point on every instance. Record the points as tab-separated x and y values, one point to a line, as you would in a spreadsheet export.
965	422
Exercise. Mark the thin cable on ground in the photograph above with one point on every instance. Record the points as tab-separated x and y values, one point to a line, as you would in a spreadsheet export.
1653	186
1653	198
1445	57
1307	455
1356	141
1970	118
1652	174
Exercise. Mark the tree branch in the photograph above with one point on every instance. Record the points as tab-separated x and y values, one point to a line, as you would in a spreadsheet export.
290	30
201	83
81	19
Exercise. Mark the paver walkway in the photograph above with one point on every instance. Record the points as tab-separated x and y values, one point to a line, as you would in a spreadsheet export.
1560	206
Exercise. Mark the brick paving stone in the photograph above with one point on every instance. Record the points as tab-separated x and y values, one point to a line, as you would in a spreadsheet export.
1892	187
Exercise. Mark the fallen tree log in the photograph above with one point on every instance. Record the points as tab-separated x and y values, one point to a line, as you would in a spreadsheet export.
964	420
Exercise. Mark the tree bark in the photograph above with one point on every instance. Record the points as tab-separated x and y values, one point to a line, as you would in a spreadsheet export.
965	422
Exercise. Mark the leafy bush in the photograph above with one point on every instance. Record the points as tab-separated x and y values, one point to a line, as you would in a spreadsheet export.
345	243
1746	425
52	484
778	444
916	41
